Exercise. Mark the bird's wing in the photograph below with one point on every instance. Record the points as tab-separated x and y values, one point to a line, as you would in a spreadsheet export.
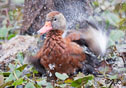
90	37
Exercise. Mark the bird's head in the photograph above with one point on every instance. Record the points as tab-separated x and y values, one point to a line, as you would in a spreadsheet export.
54	21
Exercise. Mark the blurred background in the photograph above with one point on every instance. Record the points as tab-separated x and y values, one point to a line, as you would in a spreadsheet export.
21	18
14	12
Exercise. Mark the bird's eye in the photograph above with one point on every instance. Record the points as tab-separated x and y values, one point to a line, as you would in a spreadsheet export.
55	19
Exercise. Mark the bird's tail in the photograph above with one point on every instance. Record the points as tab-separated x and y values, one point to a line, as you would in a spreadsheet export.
96	39
35	61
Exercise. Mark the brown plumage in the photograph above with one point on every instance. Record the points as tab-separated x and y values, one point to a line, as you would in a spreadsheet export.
61	52
63	55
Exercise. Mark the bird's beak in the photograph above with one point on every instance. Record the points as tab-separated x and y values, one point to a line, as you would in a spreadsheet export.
47	27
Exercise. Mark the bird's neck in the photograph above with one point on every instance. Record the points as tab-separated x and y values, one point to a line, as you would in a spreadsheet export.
54	43
54	33
54	37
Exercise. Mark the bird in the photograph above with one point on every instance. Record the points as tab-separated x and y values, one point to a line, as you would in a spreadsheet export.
62	50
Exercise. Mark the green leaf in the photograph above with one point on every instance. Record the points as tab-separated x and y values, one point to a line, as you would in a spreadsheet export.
18	82
18	73
96	3
61	76
112	18
123	7
29	85
3	31
11	36
103	87
18	1
62	85
20	57
84	80
12	67
49	85
115	35
10	78
122	69
120	7
112	77
123	27
6	74
122	21
28	74
77	82
68	81
21	68
35	71
37	86
42	82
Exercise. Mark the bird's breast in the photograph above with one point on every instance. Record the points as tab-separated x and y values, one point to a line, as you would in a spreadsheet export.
54	47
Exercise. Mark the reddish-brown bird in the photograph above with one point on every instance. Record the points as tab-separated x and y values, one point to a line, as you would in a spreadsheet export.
60	53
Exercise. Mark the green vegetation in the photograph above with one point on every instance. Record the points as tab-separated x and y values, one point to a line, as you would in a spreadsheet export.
19	74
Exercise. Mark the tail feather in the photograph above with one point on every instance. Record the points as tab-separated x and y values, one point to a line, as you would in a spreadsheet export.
36	63
90	64
95	39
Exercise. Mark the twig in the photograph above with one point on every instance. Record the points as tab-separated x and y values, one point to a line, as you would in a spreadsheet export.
111	83
15	75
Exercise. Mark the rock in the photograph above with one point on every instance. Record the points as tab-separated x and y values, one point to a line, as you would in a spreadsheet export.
20	43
